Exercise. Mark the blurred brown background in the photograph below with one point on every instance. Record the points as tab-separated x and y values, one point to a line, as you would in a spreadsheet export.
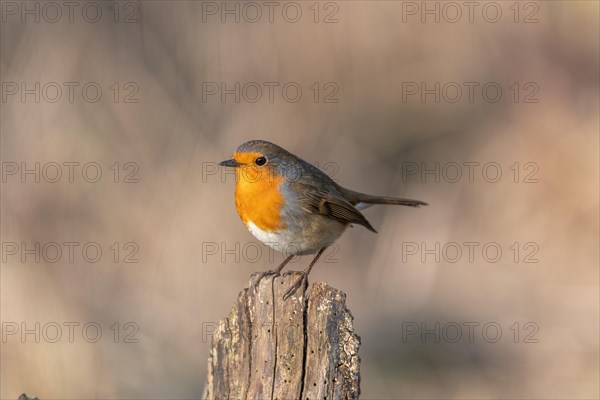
179	221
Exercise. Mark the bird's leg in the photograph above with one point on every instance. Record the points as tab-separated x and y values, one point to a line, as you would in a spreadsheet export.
275	272
304	277
283	264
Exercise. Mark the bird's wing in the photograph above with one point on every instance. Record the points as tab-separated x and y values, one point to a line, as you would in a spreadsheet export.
329	204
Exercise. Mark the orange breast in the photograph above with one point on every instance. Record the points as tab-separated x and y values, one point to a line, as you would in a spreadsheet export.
257	197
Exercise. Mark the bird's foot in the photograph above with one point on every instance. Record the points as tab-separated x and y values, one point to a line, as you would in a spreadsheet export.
258	276
301	282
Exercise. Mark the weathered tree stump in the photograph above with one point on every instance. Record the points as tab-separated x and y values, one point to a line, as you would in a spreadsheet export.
25	397
301	348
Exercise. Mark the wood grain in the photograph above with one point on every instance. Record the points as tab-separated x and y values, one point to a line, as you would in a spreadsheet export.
301	348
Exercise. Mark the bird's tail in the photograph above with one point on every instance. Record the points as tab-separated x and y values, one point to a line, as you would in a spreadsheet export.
363	200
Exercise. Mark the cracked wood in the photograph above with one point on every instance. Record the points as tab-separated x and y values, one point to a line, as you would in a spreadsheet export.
302	348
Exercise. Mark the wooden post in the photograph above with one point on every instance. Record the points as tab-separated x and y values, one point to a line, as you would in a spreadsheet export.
25	397
301	348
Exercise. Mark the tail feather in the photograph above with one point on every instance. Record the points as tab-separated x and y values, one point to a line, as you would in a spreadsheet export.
392	200
362	200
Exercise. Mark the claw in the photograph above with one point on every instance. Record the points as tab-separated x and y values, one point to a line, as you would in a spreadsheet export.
304	279
261	275
300	282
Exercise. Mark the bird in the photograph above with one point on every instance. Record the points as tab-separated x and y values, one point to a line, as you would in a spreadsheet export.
294	207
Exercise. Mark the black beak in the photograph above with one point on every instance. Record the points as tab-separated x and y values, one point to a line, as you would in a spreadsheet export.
230	163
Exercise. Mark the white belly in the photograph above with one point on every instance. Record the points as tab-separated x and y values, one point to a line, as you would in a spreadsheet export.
290	242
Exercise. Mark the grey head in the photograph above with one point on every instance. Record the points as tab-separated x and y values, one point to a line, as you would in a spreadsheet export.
280	161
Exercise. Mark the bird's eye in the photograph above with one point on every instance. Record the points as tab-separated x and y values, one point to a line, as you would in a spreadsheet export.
260	161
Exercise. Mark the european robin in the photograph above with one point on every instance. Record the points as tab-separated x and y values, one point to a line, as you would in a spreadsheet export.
292	206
